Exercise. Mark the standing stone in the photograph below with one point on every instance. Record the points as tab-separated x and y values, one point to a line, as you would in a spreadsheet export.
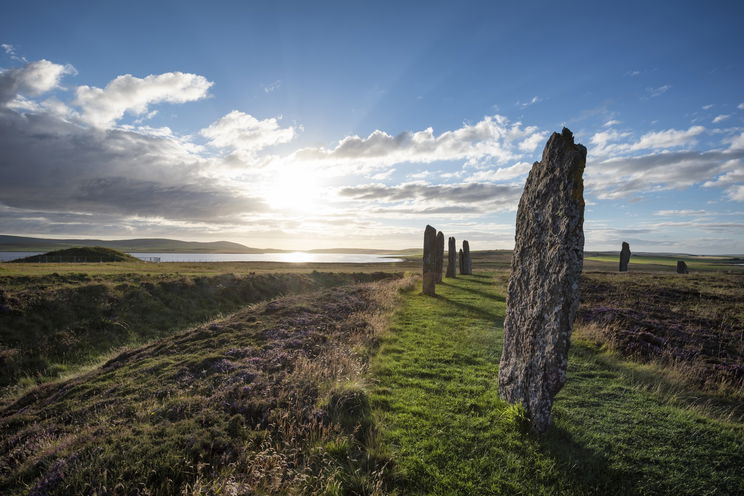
462	262
682	267
624	257
543	293
430	262
440	255
468	262
451	258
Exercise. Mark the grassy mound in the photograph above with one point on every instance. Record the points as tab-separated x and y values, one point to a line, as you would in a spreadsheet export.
270	400
54	326
449	432
82	254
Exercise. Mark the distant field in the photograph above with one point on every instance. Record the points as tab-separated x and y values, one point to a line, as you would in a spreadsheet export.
122	269
699	263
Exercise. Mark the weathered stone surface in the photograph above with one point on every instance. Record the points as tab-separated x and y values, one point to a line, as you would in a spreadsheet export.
462	261
543	293
440	255
430	262
682	267
451	258
467	261
624	257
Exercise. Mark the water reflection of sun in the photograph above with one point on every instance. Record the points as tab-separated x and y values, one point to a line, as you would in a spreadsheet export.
296	257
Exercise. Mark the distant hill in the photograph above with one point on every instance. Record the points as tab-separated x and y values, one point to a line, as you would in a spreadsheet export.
84	254
364	251
21	243
161	245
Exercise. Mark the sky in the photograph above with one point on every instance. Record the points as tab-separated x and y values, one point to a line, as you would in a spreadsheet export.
305	125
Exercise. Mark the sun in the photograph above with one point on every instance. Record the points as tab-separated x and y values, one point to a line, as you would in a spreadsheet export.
294	188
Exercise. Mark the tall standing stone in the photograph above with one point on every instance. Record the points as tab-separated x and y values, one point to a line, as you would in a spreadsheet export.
624	257
451	258
543	293
682	267
462	262
440	255
467	261
430	261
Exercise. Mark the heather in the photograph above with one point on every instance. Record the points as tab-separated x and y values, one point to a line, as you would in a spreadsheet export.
52	325
270	400
692	323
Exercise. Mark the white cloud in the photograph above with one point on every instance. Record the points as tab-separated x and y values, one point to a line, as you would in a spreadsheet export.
720	118
242	132
145	178
501	174
531	101
737	143
622	177
271	87
419	175
381	176
654	92
740	106
493	139
708	107
605	141
531	143
11	52
736	193
103	107
731	179
33	79
51	164
422	196
682	212
667	139
603	138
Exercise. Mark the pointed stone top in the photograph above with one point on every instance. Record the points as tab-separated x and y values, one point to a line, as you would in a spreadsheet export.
560	144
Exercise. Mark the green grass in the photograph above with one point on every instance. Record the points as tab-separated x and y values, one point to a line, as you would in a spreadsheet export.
436	397
79	254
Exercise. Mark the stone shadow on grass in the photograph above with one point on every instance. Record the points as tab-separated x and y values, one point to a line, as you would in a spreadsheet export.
480	279
484	294
482	312
588	469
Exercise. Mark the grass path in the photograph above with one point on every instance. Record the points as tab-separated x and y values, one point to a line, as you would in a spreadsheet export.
436	398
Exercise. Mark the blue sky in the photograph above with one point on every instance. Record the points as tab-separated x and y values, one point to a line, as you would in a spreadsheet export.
310	125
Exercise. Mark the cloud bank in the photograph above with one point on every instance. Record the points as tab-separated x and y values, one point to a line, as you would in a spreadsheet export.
75	157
